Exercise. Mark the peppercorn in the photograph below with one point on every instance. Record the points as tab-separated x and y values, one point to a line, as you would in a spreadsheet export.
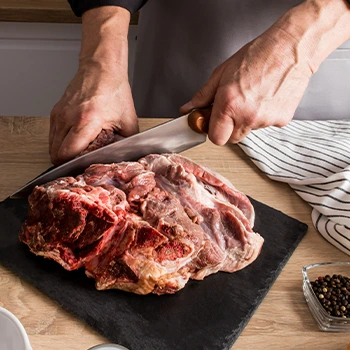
333	293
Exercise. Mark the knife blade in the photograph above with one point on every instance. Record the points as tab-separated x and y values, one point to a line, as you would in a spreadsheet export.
172	136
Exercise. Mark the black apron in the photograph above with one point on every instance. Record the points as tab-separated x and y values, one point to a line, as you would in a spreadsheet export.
181	42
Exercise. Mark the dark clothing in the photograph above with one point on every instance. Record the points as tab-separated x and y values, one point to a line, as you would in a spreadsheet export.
79	7
202	37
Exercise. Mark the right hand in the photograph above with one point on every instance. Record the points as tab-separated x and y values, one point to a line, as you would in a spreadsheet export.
97	98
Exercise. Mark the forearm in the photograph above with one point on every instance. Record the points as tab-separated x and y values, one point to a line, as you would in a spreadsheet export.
318	27
105	38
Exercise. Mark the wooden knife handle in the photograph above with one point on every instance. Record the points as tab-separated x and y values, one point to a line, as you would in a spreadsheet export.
198	119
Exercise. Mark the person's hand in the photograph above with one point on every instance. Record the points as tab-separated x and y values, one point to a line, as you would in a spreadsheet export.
97	98
262	84
259	86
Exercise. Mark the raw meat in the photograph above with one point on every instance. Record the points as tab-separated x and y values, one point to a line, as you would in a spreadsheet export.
143	227
104	138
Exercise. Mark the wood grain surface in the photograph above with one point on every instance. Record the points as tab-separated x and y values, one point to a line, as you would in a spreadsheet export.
44	11
282	321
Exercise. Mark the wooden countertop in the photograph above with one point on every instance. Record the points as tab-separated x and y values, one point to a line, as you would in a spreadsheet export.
44	11
282	321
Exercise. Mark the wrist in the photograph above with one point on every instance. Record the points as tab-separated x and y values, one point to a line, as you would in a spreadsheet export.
317	27
105	37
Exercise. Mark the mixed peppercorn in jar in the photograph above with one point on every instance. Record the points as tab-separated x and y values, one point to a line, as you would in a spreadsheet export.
333	292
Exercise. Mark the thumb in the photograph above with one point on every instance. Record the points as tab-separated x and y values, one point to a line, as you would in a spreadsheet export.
205	95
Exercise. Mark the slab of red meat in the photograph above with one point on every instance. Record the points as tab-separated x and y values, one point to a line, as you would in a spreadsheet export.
143	227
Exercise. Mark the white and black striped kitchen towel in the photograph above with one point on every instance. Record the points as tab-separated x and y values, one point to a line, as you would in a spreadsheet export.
313	157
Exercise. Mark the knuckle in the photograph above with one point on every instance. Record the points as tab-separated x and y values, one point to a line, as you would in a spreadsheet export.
56	110
85	116
78	118
234	104
226	100
200	93
217	71
54	159
53	155
228	109
282	122
233	140
62	154
239	135
251	118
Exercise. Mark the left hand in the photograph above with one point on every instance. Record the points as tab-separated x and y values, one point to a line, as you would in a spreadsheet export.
260	85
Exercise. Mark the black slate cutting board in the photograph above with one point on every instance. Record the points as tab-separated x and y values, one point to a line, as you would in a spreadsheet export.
205	315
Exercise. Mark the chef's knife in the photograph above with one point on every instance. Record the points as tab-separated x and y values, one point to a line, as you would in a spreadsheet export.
173	136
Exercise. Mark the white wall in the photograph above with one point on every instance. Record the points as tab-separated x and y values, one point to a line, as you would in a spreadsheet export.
37	61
